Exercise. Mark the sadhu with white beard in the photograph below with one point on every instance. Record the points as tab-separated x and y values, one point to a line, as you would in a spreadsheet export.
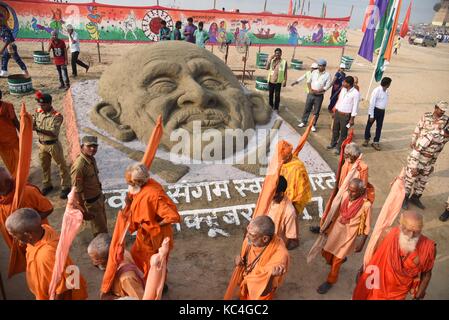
401	264
152	213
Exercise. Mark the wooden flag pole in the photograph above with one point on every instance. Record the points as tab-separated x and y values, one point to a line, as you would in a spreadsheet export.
265	6
215	4
98	50
381	47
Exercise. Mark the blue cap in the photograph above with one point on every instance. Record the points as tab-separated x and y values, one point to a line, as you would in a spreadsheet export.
322	62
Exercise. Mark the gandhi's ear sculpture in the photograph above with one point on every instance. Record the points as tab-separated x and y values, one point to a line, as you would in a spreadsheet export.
260	109
107	117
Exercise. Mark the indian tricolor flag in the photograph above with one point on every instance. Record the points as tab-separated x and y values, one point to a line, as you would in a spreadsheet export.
388	39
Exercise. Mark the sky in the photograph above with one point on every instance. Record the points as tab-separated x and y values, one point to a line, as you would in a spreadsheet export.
422	10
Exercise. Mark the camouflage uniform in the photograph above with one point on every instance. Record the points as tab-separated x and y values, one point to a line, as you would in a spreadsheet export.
86	182
428	141
50	147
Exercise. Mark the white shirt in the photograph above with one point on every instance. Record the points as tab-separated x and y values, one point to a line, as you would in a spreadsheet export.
320	81
348	101
75	44
379	100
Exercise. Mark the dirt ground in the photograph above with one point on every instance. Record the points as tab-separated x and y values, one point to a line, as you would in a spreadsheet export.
199	266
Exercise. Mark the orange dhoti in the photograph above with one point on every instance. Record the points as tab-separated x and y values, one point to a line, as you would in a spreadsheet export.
335	264
9	140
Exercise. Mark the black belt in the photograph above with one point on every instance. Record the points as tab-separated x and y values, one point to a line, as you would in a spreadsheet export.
92	200
48	142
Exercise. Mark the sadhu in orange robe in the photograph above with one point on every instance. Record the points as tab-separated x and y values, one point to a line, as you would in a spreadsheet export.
32	198
9	139
40	259
398	273
257	273
149	207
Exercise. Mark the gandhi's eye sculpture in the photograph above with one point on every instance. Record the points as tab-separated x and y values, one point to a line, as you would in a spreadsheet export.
162	85
210	83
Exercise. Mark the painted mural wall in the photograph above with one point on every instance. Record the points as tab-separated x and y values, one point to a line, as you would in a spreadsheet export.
35	20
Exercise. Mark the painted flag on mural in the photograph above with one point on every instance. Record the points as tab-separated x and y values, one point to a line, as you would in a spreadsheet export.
405	28
384	13
368	12
290	8
390	33
366	49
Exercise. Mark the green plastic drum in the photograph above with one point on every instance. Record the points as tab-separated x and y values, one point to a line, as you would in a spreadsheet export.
20	85
261	60
296	64
261	84
41	57
347	60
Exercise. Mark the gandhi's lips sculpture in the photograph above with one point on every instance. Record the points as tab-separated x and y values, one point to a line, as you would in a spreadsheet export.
209	118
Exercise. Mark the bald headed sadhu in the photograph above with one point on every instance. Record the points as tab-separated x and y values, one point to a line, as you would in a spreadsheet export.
264	259
128	281
32	198
401	264
25	225
9	139
298	184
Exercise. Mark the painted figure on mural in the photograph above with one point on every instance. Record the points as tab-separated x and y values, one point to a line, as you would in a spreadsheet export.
94	18
130	24
318	34
335	35
57	22
293	33
213	33
222	33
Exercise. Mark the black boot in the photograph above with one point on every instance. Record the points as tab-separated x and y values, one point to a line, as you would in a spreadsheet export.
444	216
314	229
416	201
405	203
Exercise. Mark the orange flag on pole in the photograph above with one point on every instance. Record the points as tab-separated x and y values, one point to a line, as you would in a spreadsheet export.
117	246
290	8
303	139
404	27
17	262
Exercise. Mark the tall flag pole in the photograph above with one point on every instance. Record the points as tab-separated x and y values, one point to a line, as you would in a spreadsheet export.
392	36
405	27
308	8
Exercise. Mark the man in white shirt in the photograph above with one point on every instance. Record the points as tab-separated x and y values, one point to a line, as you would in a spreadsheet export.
74	44
344	113
318	84
306	76
376	112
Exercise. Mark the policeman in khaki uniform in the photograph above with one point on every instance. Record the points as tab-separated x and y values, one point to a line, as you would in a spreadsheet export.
87	186
47	123
429	138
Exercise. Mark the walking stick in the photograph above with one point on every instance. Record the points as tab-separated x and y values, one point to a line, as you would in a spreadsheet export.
2	288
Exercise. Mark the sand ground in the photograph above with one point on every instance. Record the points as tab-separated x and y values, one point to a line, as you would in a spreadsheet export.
200	266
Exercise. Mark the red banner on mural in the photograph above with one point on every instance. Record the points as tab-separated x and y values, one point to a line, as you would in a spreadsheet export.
35	20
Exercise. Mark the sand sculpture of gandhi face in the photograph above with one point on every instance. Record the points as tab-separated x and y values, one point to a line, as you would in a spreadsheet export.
179	81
